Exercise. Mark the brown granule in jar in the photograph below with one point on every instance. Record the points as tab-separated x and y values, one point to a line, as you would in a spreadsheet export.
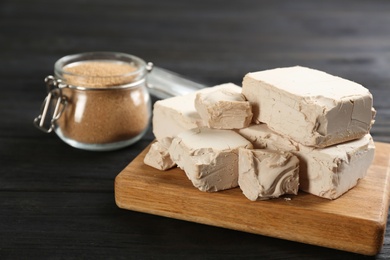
104	114
99	73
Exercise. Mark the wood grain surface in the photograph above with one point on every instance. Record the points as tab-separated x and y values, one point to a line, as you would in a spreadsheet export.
348	223
57	202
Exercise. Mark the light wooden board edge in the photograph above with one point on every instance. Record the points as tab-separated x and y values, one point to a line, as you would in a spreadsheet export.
356	222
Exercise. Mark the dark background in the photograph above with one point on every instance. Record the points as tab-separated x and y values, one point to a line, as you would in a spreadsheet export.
57	202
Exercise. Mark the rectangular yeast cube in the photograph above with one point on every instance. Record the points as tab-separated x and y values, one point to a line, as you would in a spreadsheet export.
309	106
325	172
174	115
209	157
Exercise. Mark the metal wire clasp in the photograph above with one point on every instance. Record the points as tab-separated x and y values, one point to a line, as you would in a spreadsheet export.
54	96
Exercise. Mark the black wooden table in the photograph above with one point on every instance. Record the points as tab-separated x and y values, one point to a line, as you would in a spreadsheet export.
58	202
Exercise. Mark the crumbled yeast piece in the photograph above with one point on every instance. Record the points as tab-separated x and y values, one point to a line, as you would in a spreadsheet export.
174	115
265	174
209	157
224	109
158	156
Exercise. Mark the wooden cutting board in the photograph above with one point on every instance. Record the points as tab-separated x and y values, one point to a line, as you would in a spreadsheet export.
355	222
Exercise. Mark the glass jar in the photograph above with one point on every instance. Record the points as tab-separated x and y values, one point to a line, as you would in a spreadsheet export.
98	101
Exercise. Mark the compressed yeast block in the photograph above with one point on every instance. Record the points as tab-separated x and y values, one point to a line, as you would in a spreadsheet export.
265	174
176	114
158	156
224	109
309	106
209	157
325	172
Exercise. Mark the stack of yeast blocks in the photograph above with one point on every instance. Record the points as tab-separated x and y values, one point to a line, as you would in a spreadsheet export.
285	129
